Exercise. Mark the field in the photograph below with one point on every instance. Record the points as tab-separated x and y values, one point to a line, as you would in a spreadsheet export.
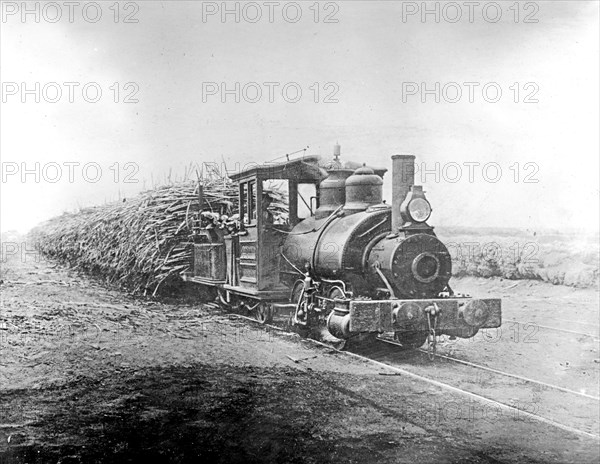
561	258
92	374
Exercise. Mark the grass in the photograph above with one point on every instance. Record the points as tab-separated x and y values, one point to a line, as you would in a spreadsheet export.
559	257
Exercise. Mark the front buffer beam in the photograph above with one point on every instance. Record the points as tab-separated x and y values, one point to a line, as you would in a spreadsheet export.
458	317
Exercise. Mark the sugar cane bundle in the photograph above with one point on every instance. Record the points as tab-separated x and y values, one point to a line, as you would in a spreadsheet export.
142	243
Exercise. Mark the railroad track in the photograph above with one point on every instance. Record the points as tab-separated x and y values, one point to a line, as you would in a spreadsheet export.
516	376
561	407
569	410
590	324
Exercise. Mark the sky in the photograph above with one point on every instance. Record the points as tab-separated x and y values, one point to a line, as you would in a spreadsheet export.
369	74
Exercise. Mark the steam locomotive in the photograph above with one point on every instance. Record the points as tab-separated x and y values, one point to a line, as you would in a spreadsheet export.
344	264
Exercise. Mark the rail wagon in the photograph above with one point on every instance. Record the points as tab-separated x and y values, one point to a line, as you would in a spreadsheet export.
343	264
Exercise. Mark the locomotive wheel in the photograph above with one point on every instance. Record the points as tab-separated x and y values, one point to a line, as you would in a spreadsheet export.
232	303
264	313
336	292
296	291
411	340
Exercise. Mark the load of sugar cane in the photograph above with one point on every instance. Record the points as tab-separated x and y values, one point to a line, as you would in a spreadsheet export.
143	243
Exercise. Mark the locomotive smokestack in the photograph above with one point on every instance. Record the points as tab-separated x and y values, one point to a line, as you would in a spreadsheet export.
403	177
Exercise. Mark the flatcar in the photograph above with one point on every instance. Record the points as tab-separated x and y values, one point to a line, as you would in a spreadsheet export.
344	264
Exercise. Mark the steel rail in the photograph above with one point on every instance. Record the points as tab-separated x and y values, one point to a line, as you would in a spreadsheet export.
507	374
595	337
576	322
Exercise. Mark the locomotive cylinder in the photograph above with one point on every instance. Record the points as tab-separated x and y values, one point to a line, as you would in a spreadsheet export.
338	322
403	177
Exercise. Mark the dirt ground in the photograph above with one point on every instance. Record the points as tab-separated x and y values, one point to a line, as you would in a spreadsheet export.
88	374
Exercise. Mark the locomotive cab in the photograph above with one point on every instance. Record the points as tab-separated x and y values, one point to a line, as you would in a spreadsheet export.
255	251
250	257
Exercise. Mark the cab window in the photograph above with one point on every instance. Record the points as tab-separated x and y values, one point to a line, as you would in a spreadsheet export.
276	194
306	200
248	202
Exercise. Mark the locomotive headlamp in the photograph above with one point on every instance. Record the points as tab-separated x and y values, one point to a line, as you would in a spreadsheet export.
415	209
419	209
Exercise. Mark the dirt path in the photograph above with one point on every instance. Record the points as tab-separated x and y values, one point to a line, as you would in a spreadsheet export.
91	375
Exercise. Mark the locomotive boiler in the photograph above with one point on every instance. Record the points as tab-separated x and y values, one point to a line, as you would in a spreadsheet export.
345	264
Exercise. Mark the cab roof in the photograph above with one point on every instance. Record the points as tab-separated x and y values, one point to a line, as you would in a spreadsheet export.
304	169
